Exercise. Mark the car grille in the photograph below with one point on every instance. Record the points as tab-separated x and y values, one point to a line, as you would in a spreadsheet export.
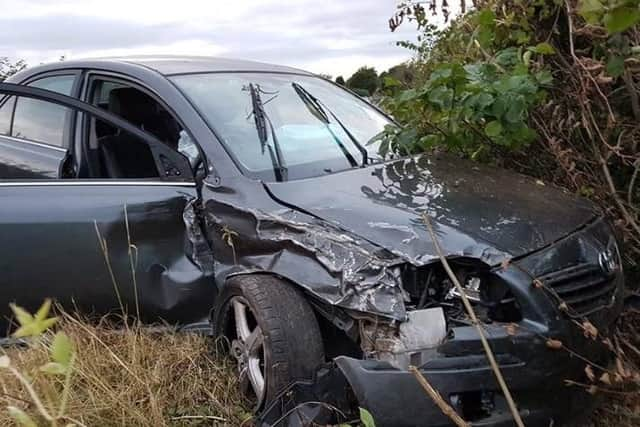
583	287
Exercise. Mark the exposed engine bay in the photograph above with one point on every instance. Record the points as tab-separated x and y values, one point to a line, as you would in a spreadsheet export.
434	306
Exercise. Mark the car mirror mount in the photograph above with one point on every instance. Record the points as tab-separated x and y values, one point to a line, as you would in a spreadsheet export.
171	164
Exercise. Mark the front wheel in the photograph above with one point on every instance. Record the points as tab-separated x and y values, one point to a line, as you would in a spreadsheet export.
273	334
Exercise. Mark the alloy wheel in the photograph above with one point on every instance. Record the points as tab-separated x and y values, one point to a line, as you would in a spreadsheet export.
248	350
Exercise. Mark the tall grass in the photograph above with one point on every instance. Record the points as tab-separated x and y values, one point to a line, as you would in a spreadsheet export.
132	377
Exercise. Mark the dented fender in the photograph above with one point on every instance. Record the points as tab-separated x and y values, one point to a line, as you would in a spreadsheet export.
329	263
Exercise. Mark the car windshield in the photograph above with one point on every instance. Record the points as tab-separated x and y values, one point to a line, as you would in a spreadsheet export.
286	126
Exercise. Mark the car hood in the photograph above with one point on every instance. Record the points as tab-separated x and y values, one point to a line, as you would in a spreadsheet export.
477	211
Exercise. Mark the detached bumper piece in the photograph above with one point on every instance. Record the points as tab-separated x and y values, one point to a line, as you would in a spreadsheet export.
323	401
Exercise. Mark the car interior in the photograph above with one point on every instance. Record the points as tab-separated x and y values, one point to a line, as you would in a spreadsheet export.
113	153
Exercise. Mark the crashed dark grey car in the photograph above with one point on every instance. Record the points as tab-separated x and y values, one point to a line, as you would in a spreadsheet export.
252	196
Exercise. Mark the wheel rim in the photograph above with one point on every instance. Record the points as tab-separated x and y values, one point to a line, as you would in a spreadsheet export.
248	350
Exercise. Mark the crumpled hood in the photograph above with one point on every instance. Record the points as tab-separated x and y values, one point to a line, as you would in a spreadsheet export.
477	211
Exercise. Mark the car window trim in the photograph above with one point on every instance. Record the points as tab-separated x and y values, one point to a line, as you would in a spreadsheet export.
36	143
157	147
94	182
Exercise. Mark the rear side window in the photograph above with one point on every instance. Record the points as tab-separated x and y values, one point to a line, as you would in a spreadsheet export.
6	110
39	120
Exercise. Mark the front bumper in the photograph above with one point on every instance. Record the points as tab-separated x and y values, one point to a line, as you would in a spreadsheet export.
534	372
395	398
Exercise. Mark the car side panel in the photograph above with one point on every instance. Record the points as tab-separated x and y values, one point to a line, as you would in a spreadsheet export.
21	159
64	240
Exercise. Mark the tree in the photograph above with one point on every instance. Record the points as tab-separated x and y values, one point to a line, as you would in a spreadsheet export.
8	68
404	73
340	80
365	79
326	76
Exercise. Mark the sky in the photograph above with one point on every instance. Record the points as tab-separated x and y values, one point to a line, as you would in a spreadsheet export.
332	36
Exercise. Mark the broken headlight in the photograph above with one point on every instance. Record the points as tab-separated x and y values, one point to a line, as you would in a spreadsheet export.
490	295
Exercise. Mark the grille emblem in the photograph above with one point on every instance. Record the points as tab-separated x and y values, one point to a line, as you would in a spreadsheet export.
607	261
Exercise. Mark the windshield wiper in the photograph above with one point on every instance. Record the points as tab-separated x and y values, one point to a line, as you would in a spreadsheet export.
262	120
322	110
316	109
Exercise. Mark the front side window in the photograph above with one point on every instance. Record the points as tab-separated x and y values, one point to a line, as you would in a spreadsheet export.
119	155
310	127
42	121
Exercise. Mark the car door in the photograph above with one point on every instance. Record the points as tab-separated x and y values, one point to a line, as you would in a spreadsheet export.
104	245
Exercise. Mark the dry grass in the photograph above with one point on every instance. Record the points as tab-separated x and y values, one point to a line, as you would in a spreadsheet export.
134	377
621	404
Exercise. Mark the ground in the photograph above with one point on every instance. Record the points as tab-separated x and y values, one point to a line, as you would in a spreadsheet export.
142	377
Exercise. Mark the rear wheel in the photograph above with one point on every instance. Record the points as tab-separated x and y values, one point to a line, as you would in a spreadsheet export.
272	332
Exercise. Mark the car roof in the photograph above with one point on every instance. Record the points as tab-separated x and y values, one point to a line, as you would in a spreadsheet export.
170	65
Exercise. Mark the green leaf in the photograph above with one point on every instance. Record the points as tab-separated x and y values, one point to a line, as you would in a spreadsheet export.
521	37
61	349
515	110
499	106
441	72
591	10
508	57
620	19
407	95
493	128
389	81
429	141
544	78
483	100
43	311
476	154
366	418
54	368
21	417
615	66
442	97
487	18
23	317
30	325
543	49
486	37
522	134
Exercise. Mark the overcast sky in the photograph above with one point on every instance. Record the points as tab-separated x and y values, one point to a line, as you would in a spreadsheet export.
331	36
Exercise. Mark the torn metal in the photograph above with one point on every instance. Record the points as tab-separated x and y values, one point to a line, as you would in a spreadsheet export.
330	263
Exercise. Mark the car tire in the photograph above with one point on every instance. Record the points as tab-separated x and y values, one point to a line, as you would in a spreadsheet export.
292	346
